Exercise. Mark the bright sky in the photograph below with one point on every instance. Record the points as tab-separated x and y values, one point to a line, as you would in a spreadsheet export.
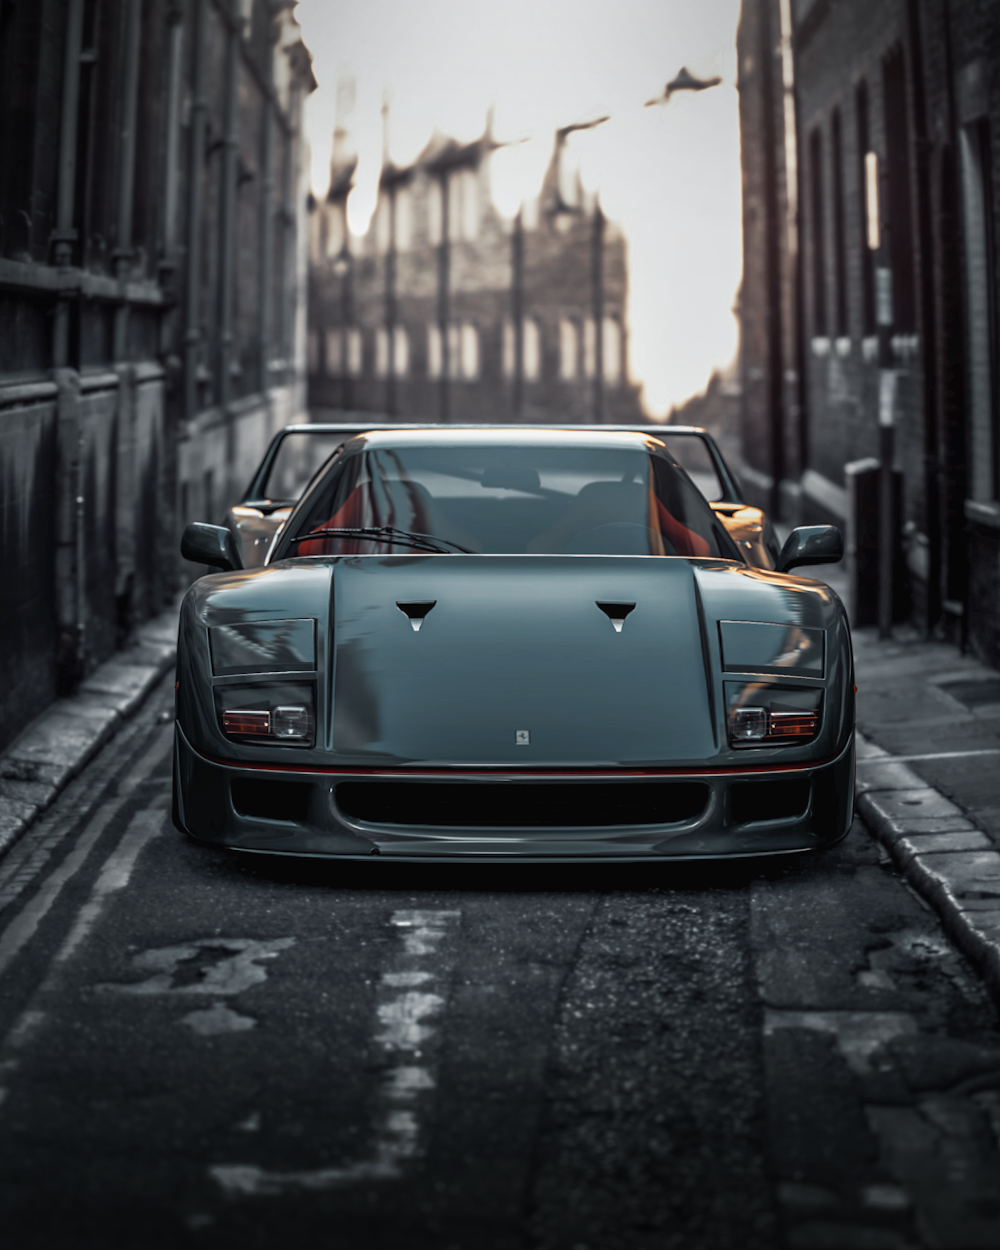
669	176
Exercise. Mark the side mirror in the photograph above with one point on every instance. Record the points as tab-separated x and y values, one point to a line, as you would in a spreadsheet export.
212	545
811	544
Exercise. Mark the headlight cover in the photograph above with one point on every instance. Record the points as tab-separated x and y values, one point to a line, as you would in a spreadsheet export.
761	715
263	647
278	714
781	650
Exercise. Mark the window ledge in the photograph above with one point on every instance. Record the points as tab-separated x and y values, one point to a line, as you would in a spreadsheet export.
987	514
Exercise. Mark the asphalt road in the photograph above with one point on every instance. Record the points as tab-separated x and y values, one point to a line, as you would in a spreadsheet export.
211	1050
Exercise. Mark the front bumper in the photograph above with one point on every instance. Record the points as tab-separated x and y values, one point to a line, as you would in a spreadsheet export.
391	812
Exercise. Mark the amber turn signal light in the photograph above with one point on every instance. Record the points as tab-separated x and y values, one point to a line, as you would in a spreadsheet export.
247	722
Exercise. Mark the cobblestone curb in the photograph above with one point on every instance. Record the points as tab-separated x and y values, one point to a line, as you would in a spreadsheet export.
949	862
42	761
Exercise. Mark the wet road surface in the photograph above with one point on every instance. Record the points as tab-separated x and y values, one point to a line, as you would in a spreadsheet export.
211	1050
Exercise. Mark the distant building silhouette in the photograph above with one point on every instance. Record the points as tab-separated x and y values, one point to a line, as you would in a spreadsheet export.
446	311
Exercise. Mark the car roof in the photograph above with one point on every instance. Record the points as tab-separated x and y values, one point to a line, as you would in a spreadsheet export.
500	435
731	490
656	429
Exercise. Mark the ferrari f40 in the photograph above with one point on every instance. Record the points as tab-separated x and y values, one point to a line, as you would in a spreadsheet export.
512	645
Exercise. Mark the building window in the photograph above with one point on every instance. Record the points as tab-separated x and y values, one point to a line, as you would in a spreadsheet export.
463	351
611	346
589	348
383	224
977	211
470	351
381	352
404	219
334	230
435	211
532	350
433	351
355	352
817	231
334	352
839	242
865	210
312	351
568	349
897	181
400	352
463	205
509	352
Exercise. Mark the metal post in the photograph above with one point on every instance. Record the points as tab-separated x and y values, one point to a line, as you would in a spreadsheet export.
887	450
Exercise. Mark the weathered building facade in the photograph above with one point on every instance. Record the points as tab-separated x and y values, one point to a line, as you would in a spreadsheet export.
870	155
445	310
151	327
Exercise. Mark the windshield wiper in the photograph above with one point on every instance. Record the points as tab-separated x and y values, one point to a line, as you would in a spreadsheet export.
388	534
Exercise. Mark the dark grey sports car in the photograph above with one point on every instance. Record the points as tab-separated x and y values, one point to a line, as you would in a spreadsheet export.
512	644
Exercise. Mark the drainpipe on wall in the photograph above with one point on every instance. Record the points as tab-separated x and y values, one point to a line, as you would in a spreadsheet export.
122	255
226	240
266	237
168	502
70	587
929	334
196	174
125	509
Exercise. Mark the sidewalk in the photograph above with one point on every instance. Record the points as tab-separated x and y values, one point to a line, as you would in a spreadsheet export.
40	763
928	780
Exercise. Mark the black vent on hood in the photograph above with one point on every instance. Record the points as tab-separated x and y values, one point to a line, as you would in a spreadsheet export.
569	804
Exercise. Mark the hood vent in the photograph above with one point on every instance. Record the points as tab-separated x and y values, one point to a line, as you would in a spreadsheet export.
616	613
416	611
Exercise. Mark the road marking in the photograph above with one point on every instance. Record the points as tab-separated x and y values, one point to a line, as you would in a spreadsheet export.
936	755
115	875
23	862
406	1034
859	1033
218	1019
225	966
24	924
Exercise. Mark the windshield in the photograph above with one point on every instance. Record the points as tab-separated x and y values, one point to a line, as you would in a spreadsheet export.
299	455
690	452
502	499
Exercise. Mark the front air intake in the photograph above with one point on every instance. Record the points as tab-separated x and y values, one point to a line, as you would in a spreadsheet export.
489	805
768	800
271	800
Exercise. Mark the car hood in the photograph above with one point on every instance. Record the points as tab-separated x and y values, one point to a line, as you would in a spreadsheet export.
516	665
